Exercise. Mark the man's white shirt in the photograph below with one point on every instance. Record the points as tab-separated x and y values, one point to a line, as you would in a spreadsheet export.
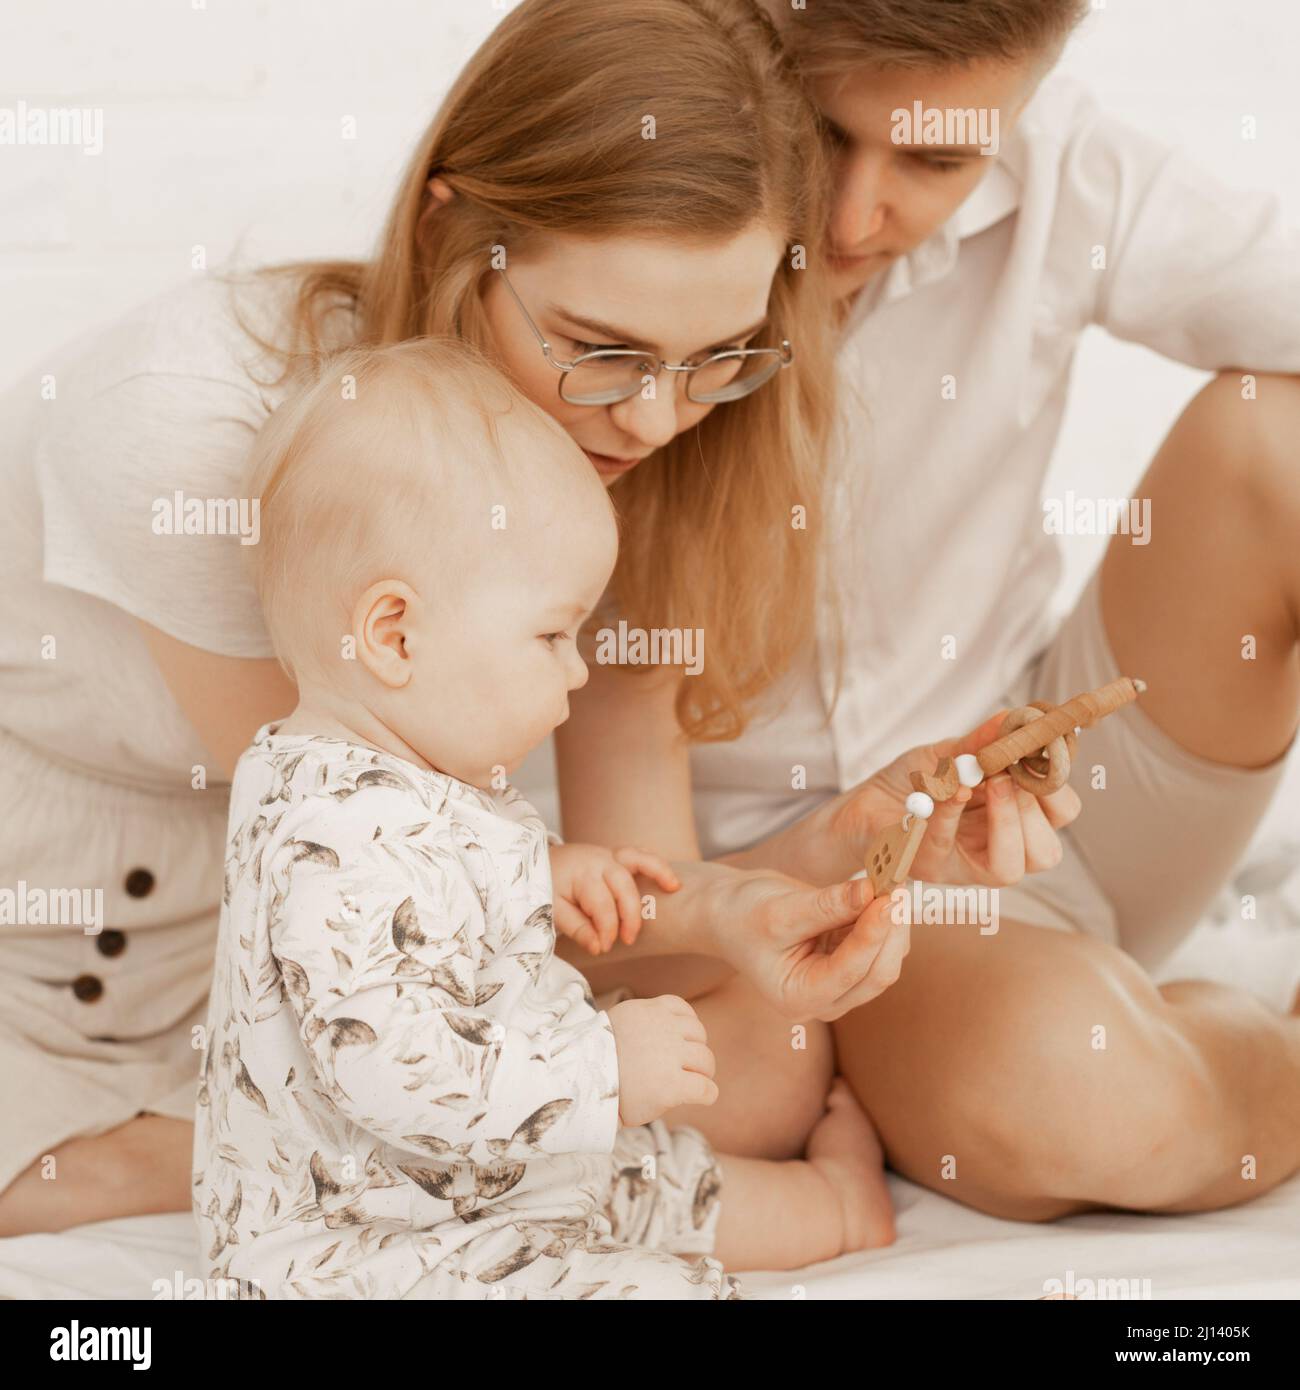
954	370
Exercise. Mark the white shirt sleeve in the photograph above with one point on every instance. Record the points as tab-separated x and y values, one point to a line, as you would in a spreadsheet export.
1202	273
403	1032
110	465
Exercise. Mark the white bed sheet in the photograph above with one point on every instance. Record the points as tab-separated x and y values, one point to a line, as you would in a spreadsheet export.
943	1250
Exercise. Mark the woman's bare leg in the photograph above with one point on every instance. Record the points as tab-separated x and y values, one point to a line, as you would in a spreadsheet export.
137	1169
1034	1073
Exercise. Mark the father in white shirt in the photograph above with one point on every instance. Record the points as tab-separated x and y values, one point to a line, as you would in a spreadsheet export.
1033	1072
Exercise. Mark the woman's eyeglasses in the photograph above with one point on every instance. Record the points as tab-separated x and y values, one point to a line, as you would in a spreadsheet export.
610	375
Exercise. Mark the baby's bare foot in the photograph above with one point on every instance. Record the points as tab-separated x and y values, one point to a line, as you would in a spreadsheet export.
844	1149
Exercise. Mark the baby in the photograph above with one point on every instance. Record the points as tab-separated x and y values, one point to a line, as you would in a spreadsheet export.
405	1092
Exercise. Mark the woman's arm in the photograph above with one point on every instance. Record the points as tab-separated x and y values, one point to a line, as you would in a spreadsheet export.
812	848
226	698
624	776
623	766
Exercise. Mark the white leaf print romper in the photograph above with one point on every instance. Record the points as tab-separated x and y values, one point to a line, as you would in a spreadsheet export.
404	1092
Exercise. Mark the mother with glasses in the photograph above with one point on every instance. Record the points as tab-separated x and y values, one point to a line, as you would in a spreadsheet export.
608	376
619	206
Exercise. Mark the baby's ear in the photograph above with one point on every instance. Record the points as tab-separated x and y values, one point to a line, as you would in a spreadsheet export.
381	622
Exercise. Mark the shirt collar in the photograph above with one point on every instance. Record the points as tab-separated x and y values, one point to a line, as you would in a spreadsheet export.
996	196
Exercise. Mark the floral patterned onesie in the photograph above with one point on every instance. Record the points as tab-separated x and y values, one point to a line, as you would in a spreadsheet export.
404	1092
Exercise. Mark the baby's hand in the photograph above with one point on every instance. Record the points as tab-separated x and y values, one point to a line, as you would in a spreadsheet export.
596	899
663	1059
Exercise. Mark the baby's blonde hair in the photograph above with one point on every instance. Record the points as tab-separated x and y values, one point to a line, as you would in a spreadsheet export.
378	465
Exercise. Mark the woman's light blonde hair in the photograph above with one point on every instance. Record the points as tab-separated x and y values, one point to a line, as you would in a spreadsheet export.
542	134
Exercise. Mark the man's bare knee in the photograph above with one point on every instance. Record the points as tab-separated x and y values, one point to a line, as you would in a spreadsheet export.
1247	427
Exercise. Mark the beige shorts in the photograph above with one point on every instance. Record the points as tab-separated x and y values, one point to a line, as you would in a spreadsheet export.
98	1025
1153	846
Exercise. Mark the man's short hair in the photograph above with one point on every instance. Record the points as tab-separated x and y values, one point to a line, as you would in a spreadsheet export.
832	36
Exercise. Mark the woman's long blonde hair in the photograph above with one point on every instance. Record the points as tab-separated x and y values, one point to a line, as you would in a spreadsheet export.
542	133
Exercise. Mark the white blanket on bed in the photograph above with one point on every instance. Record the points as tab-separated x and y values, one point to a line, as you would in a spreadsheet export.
943	1250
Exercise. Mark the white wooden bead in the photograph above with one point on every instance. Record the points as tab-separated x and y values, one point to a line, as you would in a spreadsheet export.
920	805
969	771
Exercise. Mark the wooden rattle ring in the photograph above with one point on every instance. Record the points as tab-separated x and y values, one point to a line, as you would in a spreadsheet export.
1071	738
1043	772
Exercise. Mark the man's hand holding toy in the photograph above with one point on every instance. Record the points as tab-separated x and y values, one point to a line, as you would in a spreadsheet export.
1035	746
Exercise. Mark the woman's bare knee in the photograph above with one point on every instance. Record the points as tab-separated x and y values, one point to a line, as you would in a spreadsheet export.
139	1168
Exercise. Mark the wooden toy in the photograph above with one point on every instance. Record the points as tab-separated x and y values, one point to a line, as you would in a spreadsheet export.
1035	746
892	851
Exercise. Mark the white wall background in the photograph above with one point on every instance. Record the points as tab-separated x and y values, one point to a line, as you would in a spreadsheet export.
223	124
223	128
1188	72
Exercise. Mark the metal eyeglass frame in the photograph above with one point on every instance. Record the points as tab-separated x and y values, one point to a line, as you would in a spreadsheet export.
784	356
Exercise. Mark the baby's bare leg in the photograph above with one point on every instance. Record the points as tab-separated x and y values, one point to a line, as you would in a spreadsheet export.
137	1169
787	1215
773	1075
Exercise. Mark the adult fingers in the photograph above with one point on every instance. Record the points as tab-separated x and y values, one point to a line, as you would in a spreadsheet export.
1061	807
1042	844
941	829
810	912
826	978
885	970
1006	839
